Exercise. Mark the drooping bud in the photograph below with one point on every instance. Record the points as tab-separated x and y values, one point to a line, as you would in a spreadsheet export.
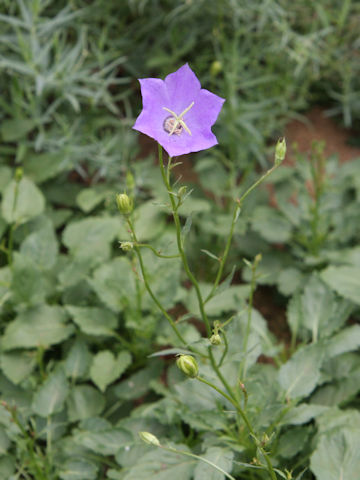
149	438
126	246
280	151
124	203
215	68
188	365
215	339
19	173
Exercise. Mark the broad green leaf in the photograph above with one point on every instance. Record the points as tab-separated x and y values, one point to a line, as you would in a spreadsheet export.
114	283
90	239
43	166
346	340
94	320
149	221
78	469
162	465
104	442
41	247
4	442
5	283
5	177
289	280
222	457
300	375
336	456
89	198
293	441
7	466
22	201
29	285
138	384
302	414
40	326
344	280
78	360
270	224
17	365
106	368
84	402
51	396
16	128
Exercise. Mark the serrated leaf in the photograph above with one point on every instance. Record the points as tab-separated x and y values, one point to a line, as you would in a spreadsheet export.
94	320
84	402
40	326
162	465
78	469
51	396
222	457
17	365
344	280
106	368
300	375
78	360
29	202
336	456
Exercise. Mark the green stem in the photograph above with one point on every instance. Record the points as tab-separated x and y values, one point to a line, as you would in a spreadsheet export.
145	245
180	243
247	423
192	455
148	288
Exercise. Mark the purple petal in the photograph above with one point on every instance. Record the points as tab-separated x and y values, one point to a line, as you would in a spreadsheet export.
182	86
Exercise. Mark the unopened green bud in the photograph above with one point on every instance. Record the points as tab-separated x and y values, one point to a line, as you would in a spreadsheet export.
149	438
182	191
126	246
19	172
280	151
215	339
188	365
215	68
124	203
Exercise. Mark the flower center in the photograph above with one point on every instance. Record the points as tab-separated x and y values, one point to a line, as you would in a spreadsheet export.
175	123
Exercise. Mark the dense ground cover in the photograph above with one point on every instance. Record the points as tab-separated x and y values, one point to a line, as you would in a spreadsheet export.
87	357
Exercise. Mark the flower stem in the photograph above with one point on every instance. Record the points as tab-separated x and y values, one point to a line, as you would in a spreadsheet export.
247	423
147	285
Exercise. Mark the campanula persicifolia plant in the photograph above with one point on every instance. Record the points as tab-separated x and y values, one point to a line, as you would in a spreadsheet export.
179	114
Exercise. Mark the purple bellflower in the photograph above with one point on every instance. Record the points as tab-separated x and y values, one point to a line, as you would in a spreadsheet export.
178	113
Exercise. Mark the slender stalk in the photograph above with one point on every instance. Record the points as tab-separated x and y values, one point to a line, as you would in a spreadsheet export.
147	285
145	245
247	423
180	243
192	455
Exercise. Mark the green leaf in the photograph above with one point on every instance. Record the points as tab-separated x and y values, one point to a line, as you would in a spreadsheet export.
105	368
94	320
336	456
345	341
4	441
222	457
28	284
162	465
138	384
293	441
40	326
344	280
114	283
90	239
7	466
78	469
84	402
104	442
300	375
22	201
149	221
51	396
16	128
41	247
17	365
43	166
89	198
270	224
78	360
5	177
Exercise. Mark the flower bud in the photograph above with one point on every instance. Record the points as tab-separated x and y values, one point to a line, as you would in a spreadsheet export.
188	365
182	190
149	438
215	68
126	246
19	172
215	339
124	203
280	151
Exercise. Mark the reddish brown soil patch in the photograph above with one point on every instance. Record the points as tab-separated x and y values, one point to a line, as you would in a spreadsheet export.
317	126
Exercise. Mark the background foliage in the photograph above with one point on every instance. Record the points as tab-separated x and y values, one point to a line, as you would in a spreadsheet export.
77	325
